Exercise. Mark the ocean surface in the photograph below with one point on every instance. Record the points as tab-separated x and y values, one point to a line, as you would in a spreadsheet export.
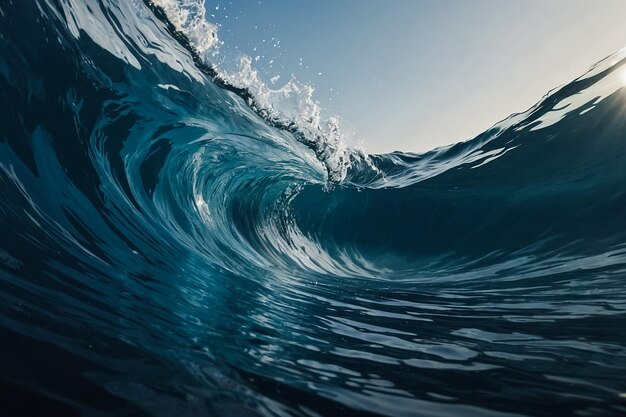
177	240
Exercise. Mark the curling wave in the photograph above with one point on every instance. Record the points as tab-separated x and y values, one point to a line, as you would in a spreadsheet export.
177	240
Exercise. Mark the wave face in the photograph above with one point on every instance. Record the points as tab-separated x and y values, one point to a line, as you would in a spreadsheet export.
169	248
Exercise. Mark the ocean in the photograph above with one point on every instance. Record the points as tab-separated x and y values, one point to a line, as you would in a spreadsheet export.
176	240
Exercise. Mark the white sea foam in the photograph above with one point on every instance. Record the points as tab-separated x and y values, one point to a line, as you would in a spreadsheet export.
291	105
188	17
294	105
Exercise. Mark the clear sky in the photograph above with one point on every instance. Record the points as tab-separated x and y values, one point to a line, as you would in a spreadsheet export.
412	75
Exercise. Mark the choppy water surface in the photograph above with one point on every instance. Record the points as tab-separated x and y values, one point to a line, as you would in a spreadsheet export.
176	244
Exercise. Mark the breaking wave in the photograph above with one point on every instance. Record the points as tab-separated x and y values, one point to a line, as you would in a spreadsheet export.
178	239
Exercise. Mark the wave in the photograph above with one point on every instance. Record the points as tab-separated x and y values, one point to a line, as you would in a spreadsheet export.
183	240
291	107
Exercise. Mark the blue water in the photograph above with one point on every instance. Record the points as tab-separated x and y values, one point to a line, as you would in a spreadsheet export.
169	248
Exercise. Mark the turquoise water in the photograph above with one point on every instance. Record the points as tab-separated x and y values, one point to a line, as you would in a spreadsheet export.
174	242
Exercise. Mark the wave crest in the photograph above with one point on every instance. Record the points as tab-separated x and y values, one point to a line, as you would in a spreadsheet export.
189	17
291	107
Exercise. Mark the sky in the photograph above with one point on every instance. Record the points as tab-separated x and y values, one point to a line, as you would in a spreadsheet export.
412	75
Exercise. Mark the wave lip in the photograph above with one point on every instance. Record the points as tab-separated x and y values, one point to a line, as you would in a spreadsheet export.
291	107
189	17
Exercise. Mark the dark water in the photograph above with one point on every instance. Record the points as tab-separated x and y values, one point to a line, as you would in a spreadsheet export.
167	251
